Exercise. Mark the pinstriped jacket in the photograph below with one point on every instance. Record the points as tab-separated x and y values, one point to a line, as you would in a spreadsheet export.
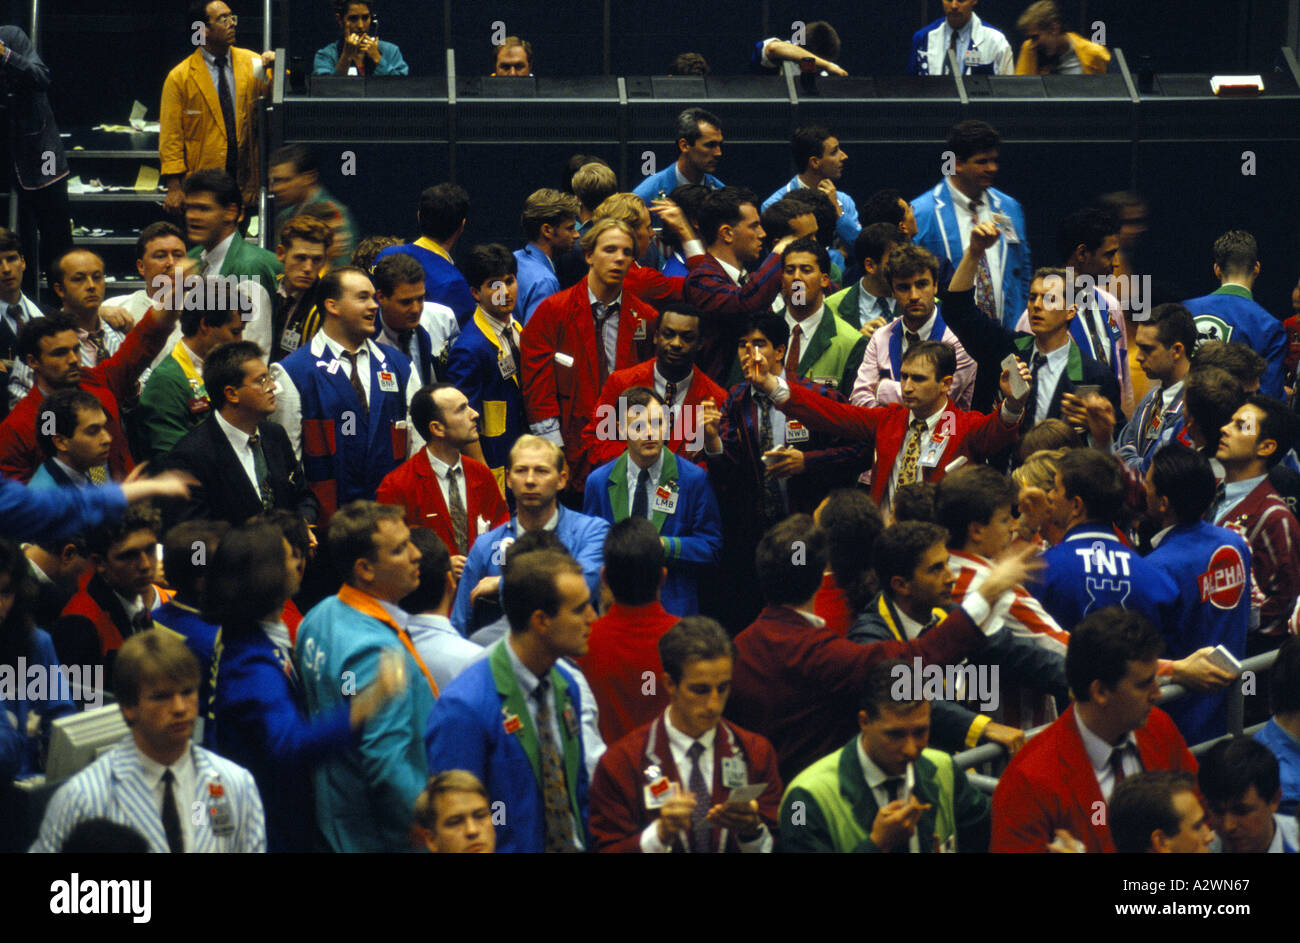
114	787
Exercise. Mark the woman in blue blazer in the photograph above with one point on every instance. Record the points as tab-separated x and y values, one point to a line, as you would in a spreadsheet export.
258	707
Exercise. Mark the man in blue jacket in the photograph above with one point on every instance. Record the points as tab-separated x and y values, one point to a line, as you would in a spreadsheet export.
513	718
1230	313
649	481
966	196
699	144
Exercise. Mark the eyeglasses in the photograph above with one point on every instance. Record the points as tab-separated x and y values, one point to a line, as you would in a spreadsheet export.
266	382
228	19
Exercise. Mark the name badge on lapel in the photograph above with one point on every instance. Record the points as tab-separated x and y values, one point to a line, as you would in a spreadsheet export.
334	366
290	340
220	819
639	333
795	432
734	773
1006	227
931	454
570	721
506	364
512	724
665	498
387	381
657	788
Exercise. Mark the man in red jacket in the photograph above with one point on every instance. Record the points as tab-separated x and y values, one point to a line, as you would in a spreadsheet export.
51	348
423	483
671	374
915	440
797	682
673	783
576	339
1062	779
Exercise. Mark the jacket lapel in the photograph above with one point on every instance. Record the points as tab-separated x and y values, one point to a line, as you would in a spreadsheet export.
667	477
202	78
818	343
132	792
618	488
234	469
424	471
513	709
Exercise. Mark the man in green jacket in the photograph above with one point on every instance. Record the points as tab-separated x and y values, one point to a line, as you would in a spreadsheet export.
885	791
822	348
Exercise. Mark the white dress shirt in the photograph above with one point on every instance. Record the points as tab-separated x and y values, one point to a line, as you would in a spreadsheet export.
210	61
609	330
1099	752
683	387
652	480
807	328
993	254
875	778
445	652
1049	375
927	436
238	440
211	260
869	306
183	786
441	470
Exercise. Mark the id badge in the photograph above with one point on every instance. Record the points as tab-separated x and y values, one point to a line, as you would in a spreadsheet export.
665	500
734	773
1006	227
290	340
220	819
197	405
570	722
795	432
506	364
512	724
639	333
656	793
335	366
931	454
387	381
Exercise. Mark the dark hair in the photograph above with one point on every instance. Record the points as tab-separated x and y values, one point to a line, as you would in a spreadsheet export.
882	207
300	155
852	522
1235	252
424	410
147	235
1102	645
778	217
248	579
186	549
197	11
103	836
689	197
914	501
1183	475
969	138
1284	678
807	143
772	326
938	355
822	207
9	241
695	638
822	40
1174	324
1088	227
811	246
688	123
224	367
1144	803
352	533
220	184
634	560
875	240
1229	768
910	259
1238	359
142	516
17	631
878	689
1047	434
529	541
435	564
489	261
1095	477
547	205
790	559
200	306
531	582
442	209
1278	424
689	63
681	309
396	269
37	329
722	208
1210	396
292	525
900	547
971	495
64	407
363	256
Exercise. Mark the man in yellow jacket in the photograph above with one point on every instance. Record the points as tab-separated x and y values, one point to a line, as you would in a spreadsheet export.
1049	49
207	105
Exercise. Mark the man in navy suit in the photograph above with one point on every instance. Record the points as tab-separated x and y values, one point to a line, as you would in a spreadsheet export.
966	197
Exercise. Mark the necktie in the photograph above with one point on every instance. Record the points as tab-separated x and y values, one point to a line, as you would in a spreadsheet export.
907	474
1100	347
641	503
351	358
1031	407
264	492
670	395
744	277
952	47
701	830
796	348
404	341
910	338
603	313
97	341
456	505
1117	764
883	310
773	500
227	101
892	786
985	299
171	819
508	335
559	816
98	474
1220	495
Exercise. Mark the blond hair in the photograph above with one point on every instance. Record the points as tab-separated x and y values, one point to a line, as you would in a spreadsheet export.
592	183
453	780
625	206
1039	470
601	226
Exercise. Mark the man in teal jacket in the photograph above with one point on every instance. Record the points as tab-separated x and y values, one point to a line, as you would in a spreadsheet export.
365	797
885	791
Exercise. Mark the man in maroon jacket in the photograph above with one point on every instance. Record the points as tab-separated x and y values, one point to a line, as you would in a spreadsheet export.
674	783
1061	780
797	682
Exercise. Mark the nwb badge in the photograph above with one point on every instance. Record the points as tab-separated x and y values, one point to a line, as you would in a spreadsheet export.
1224	582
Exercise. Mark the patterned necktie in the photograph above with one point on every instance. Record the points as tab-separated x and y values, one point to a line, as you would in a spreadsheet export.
641	503
264	492
97	341
603	313
910	338
351	358
985	299
227	101
883	310
559	816
1100	347
171	819
670	396
508	335
98	474
701	830
142	621
912	453
1031	408
1220	495
796	349
456	505
744	277
773	500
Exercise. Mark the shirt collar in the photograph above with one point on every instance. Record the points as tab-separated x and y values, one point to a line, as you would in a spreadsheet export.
634	470
911	628
926	328
683	384
153	770
1171	393
733	273
337	349
593	300
1099	750
1160	535
132	606
432	620
440	468
237	437
278	633
932	421
808	326
217	254
399	615
815	620
76	477
531	250
211	60
961	201
1055	358
528	681
1235	491
874	776
682	742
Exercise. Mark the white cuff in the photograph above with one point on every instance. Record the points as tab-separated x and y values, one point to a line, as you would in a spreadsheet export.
1011	418
650	843
977	607
548	429
692	247
782	391
759	846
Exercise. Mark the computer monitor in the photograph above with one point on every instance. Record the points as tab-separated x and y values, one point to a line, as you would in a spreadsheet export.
76	740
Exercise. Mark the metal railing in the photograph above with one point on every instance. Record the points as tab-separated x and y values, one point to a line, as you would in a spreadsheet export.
988	752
